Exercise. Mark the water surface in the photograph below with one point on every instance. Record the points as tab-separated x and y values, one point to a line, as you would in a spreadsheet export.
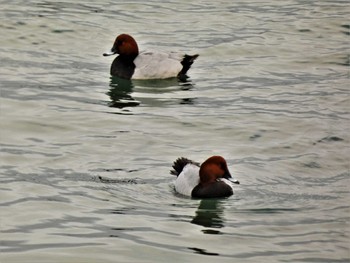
85	158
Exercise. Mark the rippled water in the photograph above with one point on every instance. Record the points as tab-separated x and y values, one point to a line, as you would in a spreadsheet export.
85	159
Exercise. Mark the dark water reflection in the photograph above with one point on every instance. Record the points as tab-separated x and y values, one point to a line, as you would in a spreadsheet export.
121	90
210	214
120	93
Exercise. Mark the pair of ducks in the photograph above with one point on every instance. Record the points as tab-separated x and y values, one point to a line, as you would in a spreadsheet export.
212	178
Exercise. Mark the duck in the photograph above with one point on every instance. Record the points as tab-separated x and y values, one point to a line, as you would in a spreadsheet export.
211	179
132	64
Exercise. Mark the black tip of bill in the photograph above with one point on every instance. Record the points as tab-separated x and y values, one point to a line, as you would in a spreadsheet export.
109	53
234	181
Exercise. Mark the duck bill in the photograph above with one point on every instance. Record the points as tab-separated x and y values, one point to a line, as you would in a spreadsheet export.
229	177
233	180
113	51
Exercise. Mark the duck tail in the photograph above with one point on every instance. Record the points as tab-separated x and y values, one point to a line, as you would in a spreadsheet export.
179	164
186	62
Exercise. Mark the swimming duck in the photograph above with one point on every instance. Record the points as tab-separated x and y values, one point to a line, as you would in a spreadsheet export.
211	179
130	64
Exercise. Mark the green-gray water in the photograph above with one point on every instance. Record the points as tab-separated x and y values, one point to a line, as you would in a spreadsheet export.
85	159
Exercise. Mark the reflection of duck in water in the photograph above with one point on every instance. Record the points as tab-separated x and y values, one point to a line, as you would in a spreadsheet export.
130	64
209	214
209	180
121	89
120	93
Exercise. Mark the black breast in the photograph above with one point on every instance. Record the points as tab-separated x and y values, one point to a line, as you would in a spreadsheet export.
123	67
212	190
